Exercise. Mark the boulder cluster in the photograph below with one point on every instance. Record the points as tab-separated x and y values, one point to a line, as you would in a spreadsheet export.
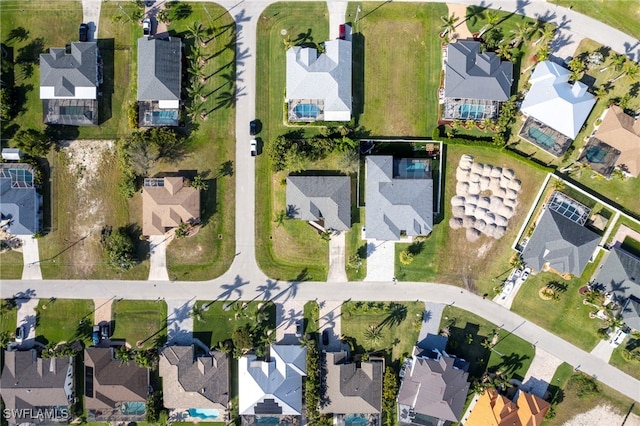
485	199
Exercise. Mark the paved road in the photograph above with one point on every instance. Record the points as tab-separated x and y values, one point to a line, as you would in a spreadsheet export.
244	278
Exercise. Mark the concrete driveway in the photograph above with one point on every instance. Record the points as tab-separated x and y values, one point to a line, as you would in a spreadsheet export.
287	314
540	373
179	322
337	253
27	318
380	260
31	258
429	336
337	11
91	16
158	258
330	320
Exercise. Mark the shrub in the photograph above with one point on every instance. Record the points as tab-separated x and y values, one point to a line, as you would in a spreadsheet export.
120	250
406	257
389	391
583	385
6	104
33	142
132	114
154	407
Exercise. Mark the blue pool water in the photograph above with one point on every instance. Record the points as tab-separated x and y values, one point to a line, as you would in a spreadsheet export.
169	118
132	408
306	111
417	165
354	420
472	112
595	154
267	420
204	413
543	139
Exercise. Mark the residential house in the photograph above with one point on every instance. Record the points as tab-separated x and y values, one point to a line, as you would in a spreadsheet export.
37	390
433	389
620	277
560	241
113	390
69	82
272	387
616	143
20	203
556	109
476	83
493	409
166	203
319	84
159	81
195	383
325	200
353	391
398	197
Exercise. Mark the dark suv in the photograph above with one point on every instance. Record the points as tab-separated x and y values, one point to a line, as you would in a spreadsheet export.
83	32
253	127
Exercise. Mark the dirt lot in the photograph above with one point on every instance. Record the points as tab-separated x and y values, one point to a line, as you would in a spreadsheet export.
603	415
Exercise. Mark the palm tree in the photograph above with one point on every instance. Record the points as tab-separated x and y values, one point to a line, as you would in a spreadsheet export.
544	52
618	60
504	51
629	69
197	312
448	24
223	346
546	34
197	72
520	33
197	109
287	42
196	56
196	30
196	89
492	19
474	13
601	92
123	354
373	334
280	217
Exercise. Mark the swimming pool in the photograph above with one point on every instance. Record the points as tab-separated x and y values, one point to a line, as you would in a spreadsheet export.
306	111
267	420
204	413
595	154
472	112
133	408
541	138
167	118
355	420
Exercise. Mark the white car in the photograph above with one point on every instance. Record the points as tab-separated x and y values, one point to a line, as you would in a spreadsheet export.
146	27
254	147
525	275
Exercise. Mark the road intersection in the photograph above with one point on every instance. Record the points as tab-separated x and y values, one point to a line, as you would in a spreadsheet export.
244	280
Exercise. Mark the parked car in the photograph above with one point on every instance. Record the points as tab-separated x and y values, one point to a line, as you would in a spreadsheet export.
20	334
343	32
95	336
325	337
525	275
253	127
83	32
146	27
253	145
104	331
299	328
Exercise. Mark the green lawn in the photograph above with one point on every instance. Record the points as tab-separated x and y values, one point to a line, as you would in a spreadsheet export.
632	368
11	264
8	320
209	253
220	319
567	317
292	250
59	28
623	15
140	321
569	405
481	265
311	317
397	54
399	332
510	355
57	320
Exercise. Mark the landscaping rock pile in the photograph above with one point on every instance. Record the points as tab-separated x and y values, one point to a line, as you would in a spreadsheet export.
485	199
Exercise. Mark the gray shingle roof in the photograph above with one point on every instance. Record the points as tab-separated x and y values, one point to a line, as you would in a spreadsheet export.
20	204
114	381
394	205
434	387
194	382
352	389
324	76
159	68
620	275
560	242
65	72
29	381
472	74
320	197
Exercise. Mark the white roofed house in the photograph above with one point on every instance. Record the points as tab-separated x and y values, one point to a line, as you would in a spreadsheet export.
69	81
555	108
319	84
271	389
